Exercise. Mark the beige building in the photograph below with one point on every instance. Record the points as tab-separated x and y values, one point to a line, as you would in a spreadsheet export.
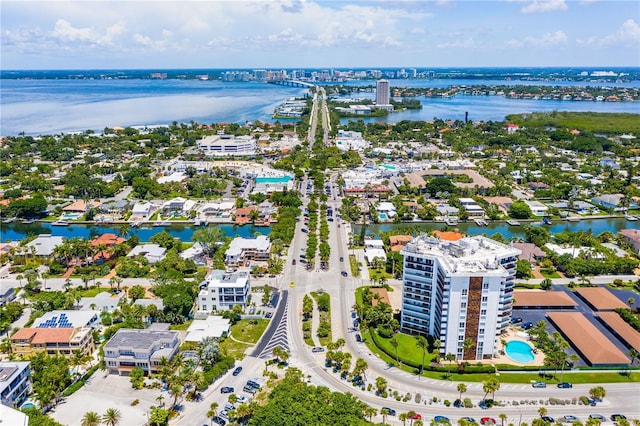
54	341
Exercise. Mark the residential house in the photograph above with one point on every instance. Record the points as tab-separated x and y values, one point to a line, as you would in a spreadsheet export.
130	348
152	252
217	210
242	250
632	236
107	241
103	301
141	211
537	208
386	211
610	163
212	326
537	185
15	383
243	215
223	290
44	245
178	206
397	242
472	208
613	201
195	253
54	341
530	252
68	319
445	210
80	206
374	249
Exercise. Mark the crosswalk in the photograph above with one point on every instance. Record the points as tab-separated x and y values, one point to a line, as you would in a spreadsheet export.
279	337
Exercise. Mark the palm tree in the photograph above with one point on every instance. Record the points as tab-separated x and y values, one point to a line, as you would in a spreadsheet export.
403	418
542	411
450	358
462	388
503	417
90	418
370	412
213	410
490	386
111	417
633	354
385	413
411	414
394	342
422	343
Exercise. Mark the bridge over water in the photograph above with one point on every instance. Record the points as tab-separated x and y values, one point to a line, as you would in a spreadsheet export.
291	83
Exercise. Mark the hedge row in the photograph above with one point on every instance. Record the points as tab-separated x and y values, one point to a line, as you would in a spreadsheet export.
80	382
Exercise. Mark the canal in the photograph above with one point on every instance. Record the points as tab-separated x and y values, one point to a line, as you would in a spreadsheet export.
17	231
596	226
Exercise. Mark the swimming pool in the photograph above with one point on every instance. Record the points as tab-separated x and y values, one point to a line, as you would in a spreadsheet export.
383	216
280	179
71	216
519	351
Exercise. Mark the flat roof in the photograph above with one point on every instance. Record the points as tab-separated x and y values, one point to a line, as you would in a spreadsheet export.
538	298
621	328
139	338
600	298
596	348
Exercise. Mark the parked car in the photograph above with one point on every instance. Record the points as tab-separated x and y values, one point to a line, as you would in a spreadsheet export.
354	314
468	419
226	389
224	414
242	399
570	418
441	419
598	417
516	320
344	273
527	325
565	385
219	420
539	384
253	384
548	419
317	349
358	338
390	411
237	371
616	417
304	230
250	389
416	416
487	421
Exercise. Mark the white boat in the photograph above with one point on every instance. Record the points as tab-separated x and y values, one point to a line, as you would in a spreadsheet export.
451	222
631	218
162	223
513	222
60	223
573	218
480	222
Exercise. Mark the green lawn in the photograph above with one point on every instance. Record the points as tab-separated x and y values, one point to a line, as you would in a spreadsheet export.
355	268
244	331
324	317
182	326
547	274
407	349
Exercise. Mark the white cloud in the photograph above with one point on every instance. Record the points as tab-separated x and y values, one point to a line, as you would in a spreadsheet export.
537	6
558	38
63	30
468	43
628	33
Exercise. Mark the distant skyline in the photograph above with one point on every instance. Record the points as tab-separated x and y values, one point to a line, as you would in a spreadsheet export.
318	34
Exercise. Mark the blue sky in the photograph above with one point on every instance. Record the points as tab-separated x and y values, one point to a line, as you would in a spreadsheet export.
91	34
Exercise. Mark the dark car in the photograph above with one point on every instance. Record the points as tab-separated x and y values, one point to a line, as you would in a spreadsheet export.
304	230
539	385
344	273
390	411
219	420
237	371
226	389
441	419
353	314
565	385
616	417
317	349
516	320
358	338
527	325
293	262
341	259
548	419
598	417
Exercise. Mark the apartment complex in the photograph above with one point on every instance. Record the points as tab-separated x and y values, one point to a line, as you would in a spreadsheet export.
54	341
15	383
460	292
130	348
227	145
382	93
223	290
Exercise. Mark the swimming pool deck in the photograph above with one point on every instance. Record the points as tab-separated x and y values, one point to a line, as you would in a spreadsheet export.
501	358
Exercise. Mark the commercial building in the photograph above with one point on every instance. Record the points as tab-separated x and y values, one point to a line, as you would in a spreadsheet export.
130	348
54	341
227	145
15	383
458	291
223	290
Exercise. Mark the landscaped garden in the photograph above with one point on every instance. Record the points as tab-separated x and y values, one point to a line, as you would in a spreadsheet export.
247	331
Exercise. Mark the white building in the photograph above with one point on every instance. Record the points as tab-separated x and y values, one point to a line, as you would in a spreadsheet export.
349	140
382	93
212	326
245	249
537	208
223	290
472	208
228	145
44	245
68	319
458	290
15	383
152	252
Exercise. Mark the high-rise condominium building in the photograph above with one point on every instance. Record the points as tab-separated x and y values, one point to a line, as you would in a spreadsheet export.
382	92
459	292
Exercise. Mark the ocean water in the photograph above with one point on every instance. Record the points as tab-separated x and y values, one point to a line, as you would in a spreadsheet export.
50	106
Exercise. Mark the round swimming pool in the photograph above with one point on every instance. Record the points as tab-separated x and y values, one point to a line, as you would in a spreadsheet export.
519	351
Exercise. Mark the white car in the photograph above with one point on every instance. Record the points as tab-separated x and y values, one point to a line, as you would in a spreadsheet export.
243	399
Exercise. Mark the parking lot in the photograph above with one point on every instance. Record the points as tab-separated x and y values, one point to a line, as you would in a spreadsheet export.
535	315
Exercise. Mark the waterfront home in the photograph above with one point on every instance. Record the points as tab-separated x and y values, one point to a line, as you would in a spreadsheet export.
537	208
397	242
613	201
472	208
180	206
15	383
219	210
374	249
574	252
243	215
386	211
130	348
54	341
103	301
222	290
631	236
80	206
446	210
195	253
152	252
44	245
242	250
141	211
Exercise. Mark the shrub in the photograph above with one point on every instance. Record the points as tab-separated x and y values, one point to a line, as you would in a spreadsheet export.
385	331
468	403
418	398
584	400
447	403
